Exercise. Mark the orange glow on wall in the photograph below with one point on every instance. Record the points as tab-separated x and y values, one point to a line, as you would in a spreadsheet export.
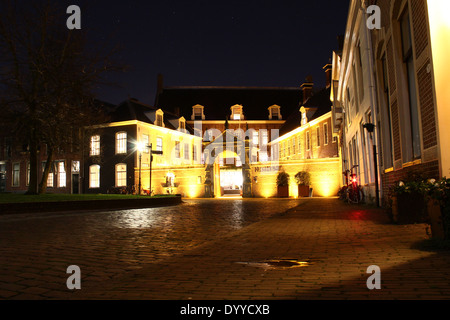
439	20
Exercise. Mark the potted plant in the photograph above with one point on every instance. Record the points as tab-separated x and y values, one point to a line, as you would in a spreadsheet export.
283	184
303	179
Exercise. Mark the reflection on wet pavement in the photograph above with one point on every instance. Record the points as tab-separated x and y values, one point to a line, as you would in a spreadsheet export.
115	241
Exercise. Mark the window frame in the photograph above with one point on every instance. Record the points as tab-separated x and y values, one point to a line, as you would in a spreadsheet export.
121	143
97	175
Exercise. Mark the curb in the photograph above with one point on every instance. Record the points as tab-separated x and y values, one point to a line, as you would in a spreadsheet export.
57	206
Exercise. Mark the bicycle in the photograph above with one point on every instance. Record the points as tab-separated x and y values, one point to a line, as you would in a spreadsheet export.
353	192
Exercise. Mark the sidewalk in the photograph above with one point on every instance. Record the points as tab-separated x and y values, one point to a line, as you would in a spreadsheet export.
334	244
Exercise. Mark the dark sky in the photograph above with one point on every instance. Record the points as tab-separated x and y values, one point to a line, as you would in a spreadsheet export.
215	43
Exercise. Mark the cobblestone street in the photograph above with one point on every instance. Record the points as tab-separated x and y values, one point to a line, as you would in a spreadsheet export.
220	249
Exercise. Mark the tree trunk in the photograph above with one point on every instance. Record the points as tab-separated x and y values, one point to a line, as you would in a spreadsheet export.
33	183
48	165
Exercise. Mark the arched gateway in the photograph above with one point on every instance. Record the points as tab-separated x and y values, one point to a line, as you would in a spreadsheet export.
228	168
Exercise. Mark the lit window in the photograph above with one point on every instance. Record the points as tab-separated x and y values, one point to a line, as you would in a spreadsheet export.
94	176
159	144
318	136
186	151
121	142
308	141
159	120
50	176
146	143
177	149
294	144
121	175
264	137
28	173
255	138
95	146
16	174
236	112
61	175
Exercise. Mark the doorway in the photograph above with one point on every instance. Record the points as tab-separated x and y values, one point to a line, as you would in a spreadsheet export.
75	183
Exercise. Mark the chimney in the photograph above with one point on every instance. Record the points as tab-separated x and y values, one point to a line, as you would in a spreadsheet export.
307	88
328	70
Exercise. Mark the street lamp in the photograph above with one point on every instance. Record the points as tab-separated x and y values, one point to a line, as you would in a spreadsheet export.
140	147
370	127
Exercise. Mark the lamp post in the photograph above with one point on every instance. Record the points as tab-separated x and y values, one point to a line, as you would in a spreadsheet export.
370	127
140	148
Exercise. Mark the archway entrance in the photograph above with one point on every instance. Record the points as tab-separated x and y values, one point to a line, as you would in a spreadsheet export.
227	168
229	176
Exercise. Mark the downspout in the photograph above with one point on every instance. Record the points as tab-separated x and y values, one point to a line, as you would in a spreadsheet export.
373	102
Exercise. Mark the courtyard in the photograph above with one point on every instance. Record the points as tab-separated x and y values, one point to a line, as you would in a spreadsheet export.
220	249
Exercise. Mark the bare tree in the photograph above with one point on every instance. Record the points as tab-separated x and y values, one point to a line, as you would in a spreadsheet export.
47	77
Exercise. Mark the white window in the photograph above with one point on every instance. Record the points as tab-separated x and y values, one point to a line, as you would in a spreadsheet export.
28	173
177	149
94	176
121	175
146	143
121	142
255	138
236	112
61	175
75	166
264	137
186	151
159	144
95	146
50	176
16	175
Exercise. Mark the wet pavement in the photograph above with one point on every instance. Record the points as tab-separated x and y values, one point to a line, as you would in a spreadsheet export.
36	249
255	249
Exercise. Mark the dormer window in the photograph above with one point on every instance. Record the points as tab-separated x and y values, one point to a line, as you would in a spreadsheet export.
197	112
304	117
275	113
237	112
159	121
182	124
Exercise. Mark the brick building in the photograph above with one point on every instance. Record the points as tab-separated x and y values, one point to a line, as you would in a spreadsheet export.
410	102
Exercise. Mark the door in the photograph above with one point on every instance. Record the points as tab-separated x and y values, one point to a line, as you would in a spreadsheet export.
2	177
75	184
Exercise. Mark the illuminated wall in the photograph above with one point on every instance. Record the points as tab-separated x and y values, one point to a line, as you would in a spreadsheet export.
325	177
438	11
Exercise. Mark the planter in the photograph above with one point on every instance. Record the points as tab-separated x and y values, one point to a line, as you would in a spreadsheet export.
409	208
303	191
283	191
435	220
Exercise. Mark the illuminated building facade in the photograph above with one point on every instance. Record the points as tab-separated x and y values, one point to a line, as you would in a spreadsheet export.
410	96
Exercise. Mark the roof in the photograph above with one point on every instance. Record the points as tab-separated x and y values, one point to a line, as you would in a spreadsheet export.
318	105
217	101
133	109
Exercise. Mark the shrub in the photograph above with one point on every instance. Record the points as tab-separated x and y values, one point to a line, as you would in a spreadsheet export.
303	178
283	179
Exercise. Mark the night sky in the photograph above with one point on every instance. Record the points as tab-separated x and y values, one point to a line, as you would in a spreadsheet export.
214	43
